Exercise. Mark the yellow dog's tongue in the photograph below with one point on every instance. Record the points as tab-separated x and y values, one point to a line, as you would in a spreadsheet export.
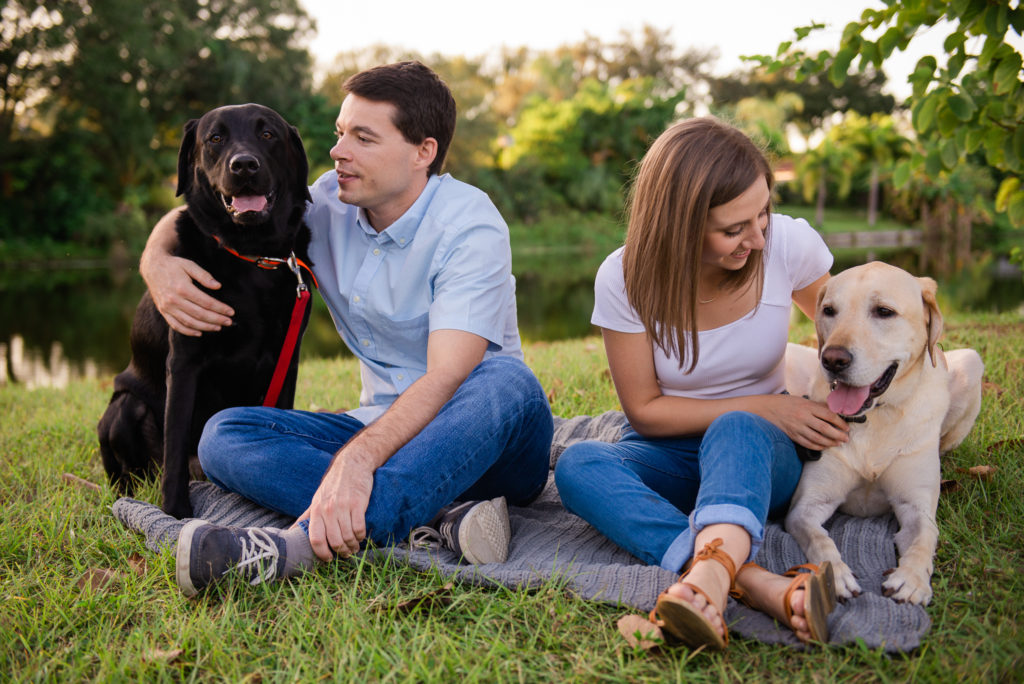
249	203
846	400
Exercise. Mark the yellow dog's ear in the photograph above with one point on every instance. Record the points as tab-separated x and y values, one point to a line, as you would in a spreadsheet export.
817	317
932	315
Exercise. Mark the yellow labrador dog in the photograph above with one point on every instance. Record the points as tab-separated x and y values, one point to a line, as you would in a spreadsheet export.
879	366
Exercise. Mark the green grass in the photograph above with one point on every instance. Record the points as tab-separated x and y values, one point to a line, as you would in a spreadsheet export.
345	621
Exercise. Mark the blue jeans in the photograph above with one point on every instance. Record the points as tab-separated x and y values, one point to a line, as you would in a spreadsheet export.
652	496
492	438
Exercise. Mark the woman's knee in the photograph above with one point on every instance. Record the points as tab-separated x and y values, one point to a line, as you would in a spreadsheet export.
575	469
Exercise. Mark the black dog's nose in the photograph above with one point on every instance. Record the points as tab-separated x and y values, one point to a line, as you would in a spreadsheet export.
836	359
244	164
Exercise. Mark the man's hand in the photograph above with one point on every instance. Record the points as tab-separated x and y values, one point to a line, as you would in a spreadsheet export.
337	514
172	284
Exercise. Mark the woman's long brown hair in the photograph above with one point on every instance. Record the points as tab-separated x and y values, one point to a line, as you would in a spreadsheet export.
693	167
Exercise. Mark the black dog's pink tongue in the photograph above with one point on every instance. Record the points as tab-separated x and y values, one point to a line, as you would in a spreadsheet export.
250	203
846	400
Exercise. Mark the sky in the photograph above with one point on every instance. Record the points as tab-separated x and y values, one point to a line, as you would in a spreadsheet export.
482	27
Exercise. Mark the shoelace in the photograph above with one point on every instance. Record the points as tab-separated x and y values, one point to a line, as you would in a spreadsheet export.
261	548
425	537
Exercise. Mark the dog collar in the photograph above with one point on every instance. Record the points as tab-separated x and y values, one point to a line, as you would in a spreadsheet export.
270	263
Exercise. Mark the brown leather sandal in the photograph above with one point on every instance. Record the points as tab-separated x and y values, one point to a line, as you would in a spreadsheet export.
819	588
685	623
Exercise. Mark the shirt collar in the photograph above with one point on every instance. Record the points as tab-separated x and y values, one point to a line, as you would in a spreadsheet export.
402	231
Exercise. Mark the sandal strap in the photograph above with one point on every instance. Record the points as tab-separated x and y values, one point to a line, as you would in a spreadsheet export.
799	581
712	551
735	590
795	570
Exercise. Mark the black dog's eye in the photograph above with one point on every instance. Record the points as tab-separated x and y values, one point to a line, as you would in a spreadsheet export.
215	138
267	135
884	312
828	310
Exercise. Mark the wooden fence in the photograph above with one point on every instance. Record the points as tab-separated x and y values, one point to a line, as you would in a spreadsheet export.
875	238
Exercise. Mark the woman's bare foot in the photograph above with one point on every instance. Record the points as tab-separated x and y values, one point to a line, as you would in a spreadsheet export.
764	591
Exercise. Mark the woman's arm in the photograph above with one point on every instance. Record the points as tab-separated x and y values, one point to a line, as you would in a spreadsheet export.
653	414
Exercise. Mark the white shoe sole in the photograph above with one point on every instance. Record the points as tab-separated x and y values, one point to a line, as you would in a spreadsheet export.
182	557
485	533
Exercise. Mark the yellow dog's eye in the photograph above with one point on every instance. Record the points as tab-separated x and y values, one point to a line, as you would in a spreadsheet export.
828	310
884	312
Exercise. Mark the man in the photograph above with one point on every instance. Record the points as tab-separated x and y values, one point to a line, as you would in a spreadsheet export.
415	268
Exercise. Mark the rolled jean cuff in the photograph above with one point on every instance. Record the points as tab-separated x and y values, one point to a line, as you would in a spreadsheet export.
679	552
732	514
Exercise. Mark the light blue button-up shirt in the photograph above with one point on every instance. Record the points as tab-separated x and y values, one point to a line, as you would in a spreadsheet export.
444	264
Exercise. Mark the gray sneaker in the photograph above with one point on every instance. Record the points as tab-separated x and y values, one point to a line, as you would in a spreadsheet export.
207	552
478	531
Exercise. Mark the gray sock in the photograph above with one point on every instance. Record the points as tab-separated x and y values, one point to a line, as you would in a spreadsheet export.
299	556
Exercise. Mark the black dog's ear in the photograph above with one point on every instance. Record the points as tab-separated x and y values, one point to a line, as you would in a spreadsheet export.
301	163
186	156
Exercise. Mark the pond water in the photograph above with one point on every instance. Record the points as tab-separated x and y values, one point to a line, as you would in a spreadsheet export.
60	325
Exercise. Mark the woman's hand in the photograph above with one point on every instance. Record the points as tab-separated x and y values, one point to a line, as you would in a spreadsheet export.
806	422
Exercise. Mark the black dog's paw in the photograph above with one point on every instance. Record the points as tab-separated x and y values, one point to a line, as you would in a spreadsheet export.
179	510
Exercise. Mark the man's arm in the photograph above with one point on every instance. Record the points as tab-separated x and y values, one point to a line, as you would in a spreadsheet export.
337	514
185	307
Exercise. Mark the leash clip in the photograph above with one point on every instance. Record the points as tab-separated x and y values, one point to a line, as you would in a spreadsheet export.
293	264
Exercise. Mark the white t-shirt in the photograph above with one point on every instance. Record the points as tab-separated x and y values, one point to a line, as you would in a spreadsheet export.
744	357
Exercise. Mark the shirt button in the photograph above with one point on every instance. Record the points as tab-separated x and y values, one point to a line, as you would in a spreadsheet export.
376	252
401	241
356	299
401	377
366	343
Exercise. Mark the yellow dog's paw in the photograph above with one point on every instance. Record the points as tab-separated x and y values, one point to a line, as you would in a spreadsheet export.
908	585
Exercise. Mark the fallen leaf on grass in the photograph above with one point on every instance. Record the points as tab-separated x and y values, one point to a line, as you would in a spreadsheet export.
159	655
75	480
437	598
1017	444
97	578
992	388
137	562
639	632
982	472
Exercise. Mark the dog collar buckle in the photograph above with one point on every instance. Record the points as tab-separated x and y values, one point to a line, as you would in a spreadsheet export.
293	264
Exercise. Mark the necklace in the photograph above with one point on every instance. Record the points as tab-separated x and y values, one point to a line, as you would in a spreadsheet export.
706	301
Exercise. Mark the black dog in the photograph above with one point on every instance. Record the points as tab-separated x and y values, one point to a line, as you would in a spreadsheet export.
243	172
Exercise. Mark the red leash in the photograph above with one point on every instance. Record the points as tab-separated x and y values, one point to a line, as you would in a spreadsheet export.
302	299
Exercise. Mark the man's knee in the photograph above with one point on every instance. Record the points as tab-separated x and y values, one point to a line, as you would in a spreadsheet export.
217	436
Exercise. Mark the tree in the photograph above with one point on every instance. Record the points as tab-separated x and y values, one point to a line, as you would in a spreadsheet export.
971	101
584	147
100	89
878	144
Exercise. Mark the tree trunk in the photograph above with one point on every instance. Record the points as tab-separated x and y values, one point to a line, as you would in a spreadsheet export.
964	224
819	210
873	196
927	238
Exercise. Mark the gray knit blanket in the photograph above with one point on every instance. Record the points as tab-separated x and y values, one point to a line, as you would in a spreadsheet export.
551	544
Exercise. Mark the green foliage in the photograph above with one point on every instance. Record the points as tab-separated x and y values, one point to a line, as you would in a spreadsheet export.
95	95
971	102
584	147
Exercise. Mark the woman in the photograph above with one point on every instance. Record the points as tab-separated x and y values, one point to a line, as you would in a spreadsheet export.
694	311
